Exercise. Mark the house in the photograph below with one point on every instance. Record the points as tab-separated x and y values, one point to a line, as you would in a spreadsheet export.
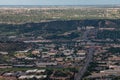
52	53
35	52
44	64
7	78
35	71
3	53
33	74
67	52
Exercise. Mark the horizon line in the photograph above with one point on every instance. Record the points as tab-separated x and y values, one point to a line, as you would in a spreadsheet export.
62	5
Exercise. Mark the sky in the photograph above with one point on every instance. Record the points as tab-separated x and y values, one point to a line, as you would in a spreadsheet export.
59	2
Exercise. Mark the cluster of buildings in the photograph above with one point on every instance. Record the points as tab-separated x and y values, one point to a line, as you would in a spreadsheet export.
24	75
107	63
48	56
55	56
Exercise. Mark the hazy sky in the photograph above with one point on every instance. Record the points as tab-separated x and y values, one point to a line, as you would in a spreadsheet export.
58	2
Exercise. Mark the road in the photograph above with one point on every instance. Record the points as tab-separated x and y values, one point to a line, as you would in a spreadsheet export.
88	59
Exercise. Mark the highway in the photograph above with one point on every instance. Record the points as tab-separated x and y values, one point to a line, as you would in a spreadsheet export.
88	59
